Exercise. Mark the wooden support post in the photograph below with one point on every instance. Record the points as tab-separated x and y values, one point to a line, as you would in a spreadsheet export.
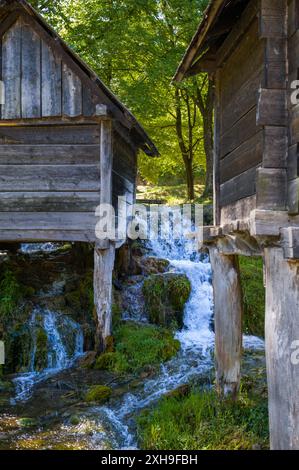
104	256
228	321
103	269
282	350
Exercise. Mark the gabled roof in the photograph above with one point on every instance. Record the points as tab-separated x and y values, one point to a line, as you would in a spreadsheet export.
218	20
117	109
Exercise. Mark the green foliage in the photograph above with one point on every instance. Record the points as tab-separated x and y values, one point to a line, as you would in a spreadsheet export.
135	47
41	355
137	347
98	393
203	422
254	295
165	298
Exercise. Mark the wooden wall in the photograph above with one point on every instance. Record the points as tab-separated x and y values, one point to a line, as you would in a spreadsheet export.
241	140
293	150
37	82
51	144
252	154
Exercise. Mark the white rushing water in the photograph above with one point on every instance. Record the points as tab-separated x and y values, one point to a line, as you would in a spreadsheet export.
56	328
193	362
195	359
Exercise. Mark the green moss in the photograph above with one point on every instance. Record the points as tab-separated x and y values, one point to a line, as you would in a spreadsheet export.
98	394
27	422
203	422
165	298
138	347
10	295
253	295
41	355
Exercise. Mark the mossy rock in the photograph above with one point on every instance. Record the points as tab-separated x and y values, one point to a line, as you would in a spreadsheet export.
41	355
98	393
165	298
27	422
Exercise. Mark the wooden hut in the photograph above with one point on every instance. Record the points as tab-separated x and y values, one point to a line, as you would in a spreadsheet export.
66	144
250	48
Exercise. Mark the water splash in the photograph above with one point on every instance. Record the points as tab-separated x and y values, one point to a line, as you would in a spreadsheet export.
33	248
64	346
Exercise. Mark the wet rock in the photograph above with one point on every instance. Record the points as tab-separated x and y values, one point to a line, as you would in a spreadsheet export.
88	360
98	394
152	265
165	298
180	392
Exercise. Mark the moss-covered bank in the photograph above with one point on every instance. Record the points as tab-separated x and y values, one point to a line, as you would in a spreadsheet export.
165	298
139	347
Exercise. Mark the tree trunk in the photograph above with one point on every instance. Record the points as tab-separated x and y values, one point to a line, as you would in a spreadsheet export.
189	178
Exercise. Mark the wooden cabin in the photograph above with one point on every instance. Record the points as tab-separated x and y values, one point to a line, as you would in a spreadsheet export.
66	144
250	49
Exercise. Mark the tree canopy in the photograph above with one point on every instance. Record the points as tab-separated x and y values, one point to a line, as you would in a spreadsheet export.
135	47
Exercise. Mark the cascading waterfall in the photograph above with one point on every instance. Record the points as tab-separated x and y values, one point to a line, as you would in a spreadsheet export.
59	330
197	339
193	362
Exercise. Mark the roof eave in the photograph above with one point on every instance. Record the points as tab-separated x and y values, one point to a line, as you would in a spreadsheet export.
211	13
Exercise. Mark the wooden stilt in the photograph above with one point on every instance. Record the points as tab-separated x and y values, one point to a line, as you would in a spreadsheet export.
228	321
282	350
103	269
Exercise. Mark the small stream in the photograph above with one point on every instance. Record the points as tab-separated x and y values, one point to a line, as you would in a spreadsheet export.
115	423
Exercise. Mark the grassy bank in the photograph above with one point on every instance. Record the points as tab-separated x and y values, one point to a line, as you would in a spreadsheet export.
253	295
203	422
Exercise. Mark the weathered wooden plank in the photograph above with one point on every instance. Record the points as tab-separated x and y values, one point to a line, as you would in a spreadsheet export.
248	155
59	221
293	52
49	154
293	162
72	92
264	223
51	83
49	201
271	189
31	73
103	270
294	124
33	236
290	242
228	322
11	71
89	102
276	63
245	61
243	130
238	211
236	35
50	178
68	134
106	162
282	333
293	17
241	101
238	188
293	197
121	185
275	147
272	108
273	18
